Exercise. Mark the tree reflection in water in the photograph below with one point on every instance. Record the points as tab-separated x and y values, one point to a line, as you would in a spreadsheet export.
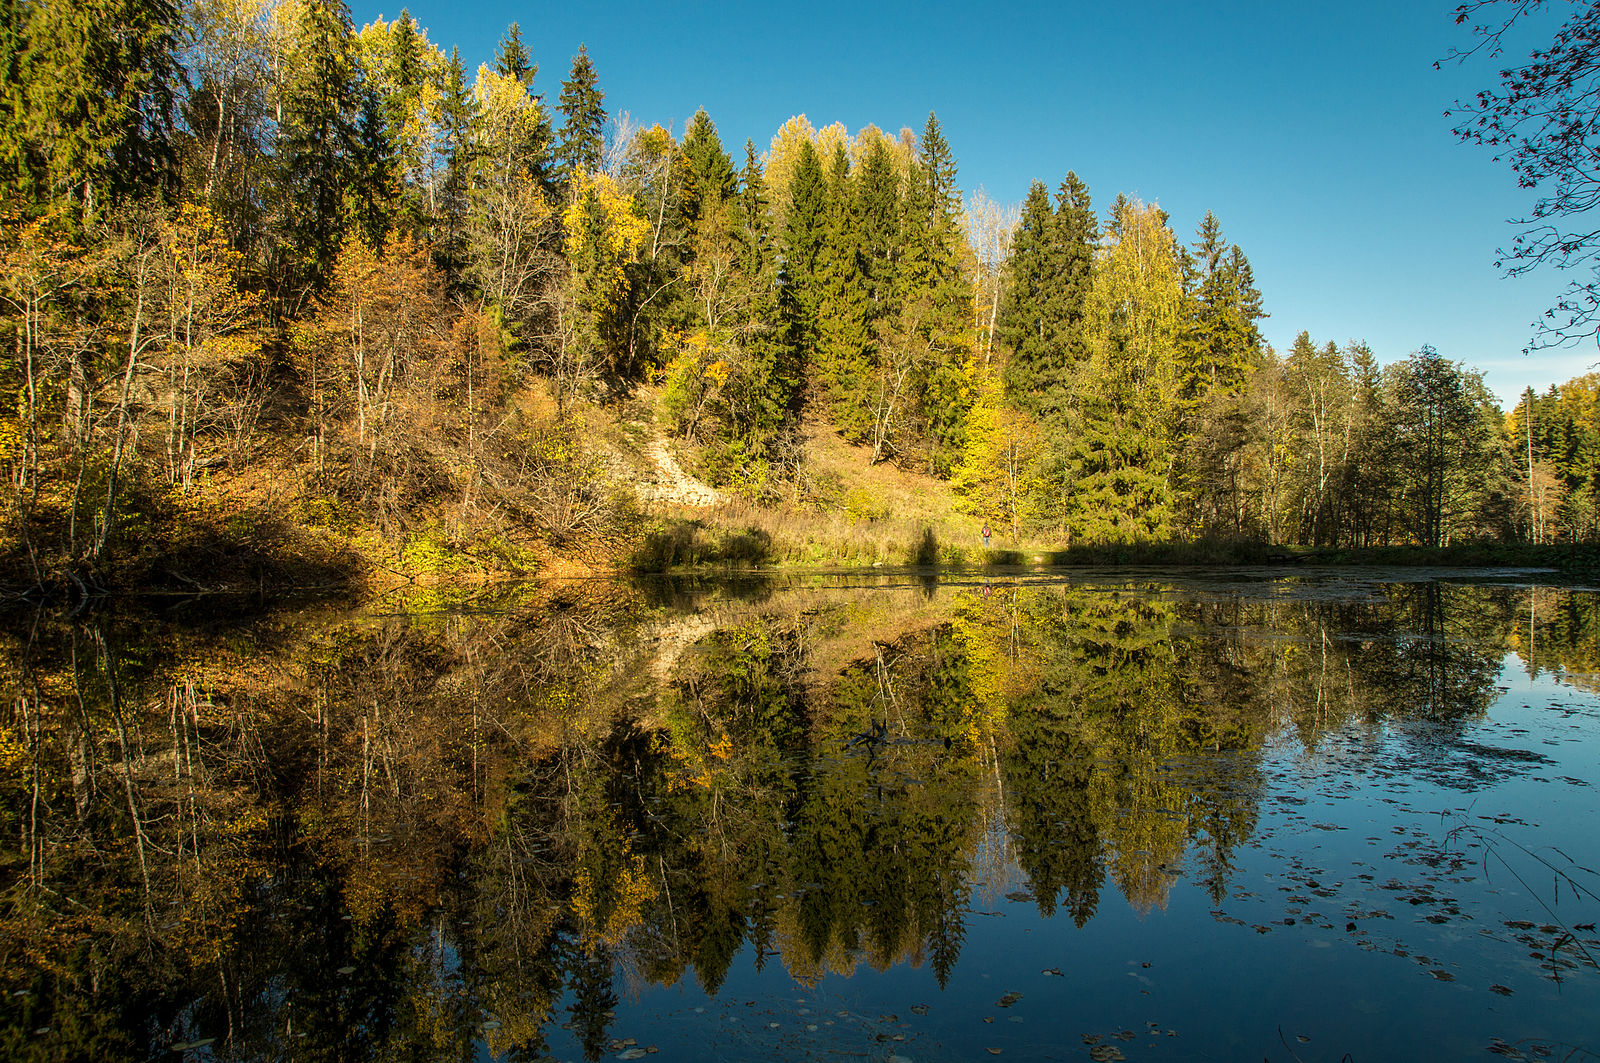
352	837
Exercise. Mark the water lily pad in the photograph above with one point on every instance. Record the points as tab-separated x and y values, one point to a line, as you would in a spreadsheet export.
632	1053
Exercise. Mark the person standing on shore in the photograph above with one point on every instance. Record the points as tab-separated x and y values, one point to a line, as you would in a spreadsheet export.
986	535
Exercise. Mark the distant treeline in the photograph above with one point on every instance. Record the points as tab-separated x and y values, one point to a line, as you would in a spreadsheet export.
252	253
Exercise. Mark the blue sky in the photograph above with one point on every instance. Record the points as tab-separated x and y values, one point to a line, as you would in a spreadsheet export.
1314	132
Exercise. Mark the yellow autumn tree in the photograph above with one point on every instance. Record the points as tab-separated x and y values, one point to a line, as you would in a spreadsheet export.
512	221
1122	447
995	477
210	392
604	236
369	360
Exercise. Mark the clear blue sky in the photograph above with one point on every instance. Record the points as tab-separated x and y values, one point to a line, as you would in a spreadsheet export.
1314	131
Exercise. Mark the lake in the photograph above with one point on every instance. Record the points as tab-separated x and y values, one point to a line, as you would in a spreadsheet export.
1164	815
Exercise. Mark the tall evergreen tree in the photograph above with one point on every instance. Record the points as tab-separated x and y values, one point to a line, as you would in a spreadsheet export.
936	300
933	210
524	148
456	114
319	145
511	58
1033	321
804	231
1222	339
841	360
709	182
13	140
93	88
770	391
583	113
878	227
373	179
1219	347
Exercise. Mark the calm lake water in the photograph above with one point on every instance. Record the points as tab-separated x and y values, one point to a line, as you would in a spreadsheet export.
1092	816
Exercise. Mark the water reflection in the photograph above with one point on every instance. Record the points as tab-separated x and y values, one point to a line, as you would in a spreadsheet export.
418	830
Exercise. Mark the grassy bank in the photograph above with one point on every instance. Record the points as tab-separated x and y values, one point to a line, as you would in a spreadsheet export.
743	536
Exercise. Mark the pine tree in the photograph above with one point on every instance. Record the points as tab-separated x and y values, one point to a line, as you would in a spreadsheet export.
770	385
524	148
13	106
932	230
583	120
1077	235
1219	347
1222	340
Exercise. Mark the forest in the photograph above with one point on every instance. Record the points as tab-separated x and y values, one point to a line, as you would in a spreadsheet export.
283	295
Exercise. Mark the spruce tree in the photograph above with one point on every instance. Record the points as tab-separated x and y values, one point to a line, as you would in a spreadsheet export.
373	175
583	123
533	153
709	181
936	302
13	45
93	86
1221	341
1077	234
456	113
933	210
1031	320
319	144
804	231
1041	319
841	359
512	60
878	226
771	385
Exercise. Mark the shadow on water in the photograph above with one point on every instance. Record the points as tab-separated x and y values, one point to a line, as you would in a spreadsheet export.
352	836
